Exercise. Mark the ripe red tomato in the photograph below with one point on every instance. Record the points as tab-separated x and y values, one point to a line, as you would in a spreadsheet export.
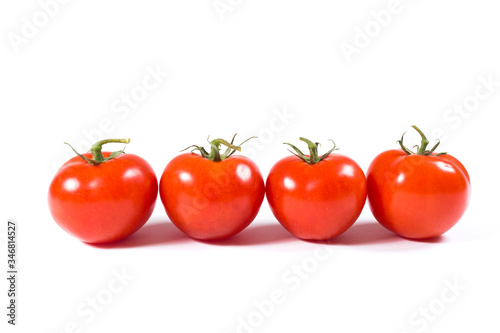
417	195
211	196
102	197
316	198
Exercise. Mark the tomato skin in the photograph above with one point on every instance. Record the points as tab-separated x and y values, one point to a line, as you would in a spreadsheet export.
417	196
319	201
106	202
210	200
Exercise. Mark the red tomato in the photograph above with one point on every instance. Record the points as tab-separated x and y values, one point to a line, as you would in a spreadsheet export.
418	195
208	199
316	201
105	202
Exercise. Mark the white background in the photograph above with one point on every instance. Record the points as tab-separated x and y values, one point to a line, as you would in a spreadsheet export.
233	72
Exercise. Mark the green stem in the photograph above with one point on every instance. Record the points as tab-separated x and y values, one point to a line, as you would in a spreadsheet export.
215	145
313	149
424	143
422	149
215	148
406	150
96	151
313	157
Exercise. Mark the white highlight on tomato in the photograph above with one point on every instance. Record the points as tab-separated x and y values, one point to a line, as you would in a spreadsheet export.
185	177
289	183
243	172
71	184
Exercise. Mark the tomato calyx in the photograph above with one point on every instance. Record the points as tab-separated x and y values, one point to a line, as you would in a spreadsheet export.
215	144
422	149
313	157
96	151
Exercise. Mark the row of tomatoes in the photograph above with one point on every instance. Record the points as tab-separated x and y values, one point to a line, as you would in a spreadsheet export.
102	197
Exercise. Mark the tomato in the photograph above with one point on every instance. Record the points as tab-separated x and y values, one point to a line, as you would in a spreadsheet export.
316	198
212	196
102	197
417	195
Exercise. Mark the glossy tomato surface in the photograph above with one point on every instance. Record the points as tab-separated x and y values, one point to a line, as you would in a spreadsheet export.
210	200
417	196
319	201
106	202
